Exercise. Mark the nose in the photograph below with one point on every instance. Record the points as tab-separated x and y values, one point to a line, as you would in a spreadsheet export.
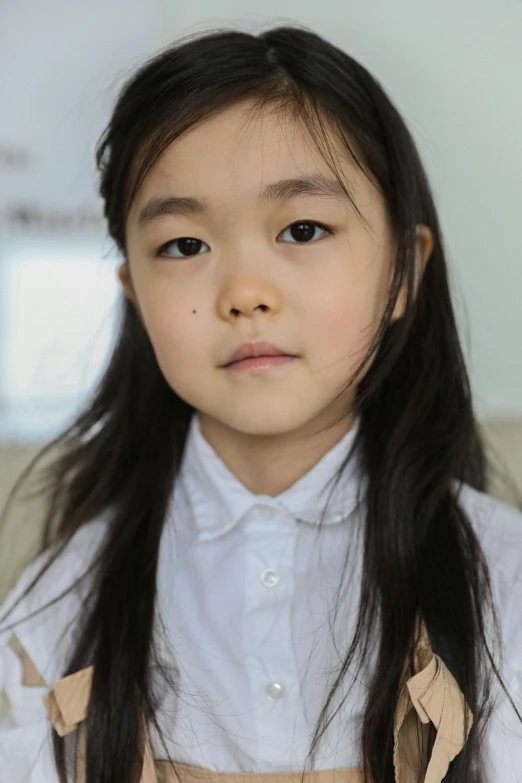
248	296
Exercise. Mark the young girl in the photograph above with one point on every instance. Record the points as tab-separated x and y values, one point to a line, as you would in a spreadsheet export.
268	545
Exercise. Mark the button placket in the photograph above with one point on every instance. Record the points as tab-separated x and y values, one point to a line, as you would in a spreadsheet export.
267	629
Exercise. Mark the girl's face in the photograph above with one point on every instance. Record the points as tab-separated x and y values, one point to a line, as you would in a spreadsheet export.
206	281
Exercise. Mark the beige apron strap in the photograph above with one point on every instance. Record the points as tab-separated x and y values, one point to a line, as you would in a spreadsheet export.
81	751
148	772
432	694
68	701
168	773
67	705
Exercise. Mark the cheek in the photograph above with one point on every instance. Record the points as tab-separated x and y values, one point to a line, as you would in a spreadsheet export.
174	331
342	323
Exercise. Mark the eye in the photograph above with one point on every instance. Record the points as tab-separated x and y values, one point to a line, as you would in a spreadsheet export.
302	232
188	246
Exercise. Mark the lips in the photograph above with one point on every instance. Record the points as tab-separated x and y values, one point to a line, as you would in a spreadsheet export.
250	350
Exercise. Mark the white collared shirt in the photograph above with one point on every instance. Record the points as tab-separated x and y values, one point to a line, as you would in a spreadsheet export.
246	591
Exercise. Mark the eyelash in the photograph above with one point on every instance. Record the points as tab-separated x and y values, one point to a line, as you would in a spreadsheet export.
329	231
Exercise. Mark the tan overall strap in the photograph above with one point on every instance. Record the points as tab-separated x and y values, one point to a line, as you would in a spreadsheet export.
188	774
67	705
430	695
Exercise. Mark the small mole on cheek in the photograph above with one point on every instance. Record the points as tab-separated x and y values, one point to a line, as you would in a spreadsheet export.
193	311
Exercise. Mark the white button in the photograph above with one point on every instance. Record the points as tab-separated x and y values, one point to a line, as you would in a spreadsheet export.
270	577
266	512
274	691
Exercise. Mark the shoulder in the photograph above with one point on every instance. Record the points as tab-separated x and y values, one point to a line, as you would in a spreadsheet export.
43	620
498	527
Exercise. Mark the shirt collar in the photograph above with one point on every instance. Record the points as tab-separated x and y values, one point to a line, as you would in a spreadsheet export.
219	500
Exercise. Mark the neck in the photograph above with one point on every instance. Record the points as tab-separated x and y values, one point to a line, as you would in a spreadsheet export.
269	464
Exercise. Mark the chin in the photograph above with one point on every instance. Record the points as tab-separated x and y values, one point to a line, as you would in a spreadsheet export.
262	422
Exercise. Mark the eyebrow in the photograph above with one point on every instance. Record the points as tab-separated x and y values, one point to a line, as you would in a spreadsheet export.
282	191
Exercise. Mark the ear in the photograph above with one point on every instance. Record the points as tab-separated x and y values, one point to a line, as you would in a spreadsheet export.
125	280
423	250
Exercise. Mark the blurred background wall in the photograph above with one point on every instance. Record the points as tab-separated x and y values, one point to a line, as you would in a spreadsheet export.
454	70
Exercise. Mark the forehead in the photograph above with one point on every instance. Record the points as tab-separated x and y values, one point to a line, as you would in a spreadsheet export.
229	158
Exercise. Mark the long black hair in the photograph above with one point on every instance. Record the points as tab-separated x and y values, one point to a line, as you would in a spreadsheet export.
418	435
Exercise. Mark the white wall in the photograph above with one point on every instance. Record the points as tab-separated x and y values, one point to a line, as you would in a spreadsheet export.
61	65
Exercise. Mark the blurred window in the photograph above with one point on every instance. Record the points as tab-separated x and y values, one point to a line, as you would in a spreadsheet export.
58	316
